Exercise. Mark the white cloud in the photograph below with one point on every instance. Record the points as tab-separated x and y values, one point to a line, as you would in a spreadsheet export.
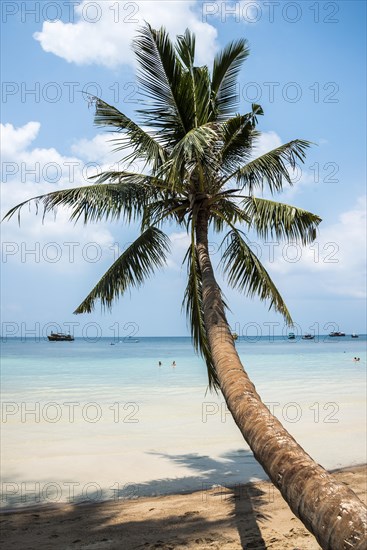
266	142
104	36
97	149
337	259
28	172
100	150
14	140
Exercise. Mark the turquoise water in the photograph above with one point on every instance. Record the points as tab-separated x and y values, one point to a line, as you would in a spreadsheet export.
95	414
29	365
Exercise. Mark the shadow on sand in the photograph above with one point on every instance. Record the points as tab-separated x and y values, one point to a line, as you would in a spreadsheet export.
220	475
221	504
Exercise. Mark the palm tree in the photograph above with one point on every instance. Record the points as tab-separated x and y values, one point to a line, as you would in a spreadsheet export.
199	172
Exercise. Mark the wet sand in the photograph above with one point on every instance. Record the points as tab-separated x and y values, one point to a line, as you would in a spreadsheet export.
251	516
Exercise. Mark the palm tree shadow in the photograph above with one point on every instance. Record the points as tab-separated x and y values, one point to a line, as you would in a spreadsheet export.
247	503
223	475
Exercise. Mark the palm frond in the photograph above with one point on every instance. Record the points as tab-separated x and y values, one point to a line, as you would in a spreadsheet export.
239	135
160	79
281	220
246	273
144	145
93	203
195	148
135	264
226	212
185	48
271	167
167	209
195	82
226	67
193	305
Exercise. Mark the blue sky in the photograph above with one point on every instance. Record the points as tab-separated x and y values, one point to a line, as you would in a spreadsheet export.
306	69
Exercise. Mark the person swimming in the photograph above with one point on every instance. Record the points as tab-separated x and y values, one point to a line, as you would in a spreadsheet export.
174	364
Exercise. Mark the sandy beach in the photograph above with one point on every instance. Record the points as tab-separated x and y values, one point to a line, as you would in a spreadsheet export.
130	479
252	516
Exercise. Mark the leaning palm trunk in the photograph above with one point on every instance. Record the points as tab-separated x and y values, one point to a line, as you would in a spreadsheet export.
331	511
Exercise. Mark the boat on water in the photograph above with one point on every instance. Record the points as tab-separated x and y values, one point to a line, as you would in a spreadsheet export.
334	334
354	335
308	337
291	336
60	337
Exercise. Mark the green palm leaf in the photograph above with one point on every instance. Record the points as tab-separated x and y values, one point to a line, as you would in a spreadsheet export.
195	82
225	212
185	48
131	269
271	167
93	203
196	147
160	78
281	220
239	135
167	209
226	67
246	272
144	145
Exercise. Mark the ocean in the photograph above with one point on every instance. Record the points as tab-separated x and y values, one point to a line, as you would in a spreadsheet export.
87	420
